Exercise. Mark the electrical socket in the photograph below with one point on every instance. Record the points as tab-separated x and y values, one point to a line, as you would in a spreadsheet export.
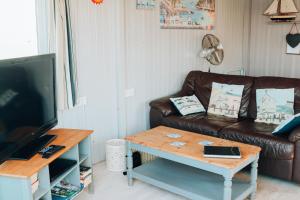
82	101
129	92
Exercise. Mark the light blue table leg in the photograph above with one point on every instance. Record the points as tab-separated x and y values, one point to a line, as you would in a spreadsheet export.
129	165
254	166
227	188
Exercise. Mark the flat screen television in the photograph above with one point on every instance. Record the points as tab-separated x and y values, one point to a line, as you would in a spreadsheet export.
27	105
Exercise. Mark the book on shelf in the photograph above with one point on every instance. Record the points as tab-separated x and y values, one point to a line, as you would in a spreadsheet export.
86	181
34	178
85	176
34	186
64	191
34	182
85	171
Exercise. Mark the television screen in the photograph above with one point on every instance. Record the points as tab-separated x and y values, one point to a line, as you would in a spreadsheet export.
27	101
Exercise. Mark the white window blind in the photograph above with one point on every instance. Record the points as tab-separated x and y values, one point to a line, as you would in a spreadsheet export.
18	31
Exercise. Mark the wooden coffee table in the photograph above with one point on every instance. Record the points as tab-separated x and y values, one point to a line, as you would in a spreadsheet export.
184	170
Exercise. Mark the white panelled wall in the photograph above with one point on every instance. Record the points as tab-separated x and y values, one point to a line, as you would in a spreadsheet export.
120	47
268	45
96	32
159	59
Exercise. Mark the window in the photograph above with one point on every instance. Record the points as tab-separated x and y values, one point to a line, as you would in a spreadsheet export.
18	32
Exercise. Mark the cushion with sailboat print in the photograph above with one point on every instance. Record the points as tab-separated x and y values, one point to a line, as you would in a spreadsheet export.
274	105
188	105
225	100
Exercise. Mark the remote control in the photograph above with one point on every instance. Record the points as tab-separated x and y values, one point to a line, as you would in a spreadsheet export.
47	152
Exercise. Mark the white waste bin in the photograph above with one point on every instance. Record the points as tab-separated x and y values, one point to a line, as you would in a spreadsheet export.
116	155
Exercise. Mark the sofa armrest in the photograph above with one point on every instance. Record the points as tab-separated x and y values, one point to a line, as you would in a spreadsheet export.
294	136
164	105
296	162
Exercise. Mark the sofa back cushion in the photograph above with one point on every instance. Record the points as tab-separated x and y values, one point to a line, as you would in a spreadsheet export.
200	84
276	83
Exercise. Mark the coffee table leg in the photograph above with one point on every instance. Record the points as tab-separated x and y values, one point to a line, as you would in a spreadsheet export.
254	166
129	165
227	188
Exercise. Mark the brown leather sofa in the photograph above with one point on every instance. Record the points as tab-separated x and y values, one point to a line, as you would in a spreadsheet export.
280	155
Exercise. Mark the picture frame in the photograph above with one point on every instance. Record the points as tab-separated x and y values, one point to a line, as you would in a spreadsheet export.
145	4
187	14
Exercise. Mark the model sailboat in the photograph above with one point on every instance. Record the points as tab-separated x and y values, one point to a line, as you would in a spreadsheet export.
282	10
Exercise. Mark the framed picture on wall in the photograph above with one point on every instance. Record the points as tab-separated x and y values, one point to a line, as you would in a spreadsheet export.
188	14
145	4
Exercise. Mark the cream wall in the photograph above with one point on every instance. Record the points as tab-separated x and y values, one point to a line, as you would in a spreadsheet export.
96	36
159	59
119	48
268	46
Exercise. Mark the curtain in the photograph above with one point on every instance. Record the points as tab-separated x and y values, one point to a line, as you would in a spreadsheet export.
55	36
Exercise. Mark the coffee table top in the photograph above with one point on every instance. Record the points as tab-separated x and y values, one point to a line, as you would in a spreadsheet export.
158	139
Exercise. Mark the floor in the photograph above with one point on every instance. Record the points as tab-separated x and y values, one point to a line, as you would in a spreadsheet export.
113	186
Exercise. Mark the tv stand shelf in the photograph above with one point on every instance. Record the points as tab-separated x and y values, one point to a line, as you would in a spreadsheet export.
16	175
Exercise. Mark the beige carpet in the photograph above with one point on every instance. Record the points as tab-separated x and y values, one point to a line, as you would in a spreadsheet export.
113	186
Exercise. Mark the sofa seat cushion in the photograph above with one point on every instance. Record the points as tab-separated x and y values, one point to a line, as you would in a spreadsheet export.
199	123
260	134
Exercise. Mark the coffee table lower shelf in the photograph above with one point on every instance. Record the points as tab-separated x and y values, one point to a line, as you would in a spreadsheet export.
188	181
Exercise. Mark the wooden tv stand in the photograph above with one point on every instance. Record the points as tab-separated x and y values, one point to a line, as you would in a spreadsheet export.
15	182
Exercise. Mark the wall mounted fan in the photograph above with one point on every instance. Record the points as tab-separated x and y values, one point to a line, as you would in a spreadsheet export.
212	49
